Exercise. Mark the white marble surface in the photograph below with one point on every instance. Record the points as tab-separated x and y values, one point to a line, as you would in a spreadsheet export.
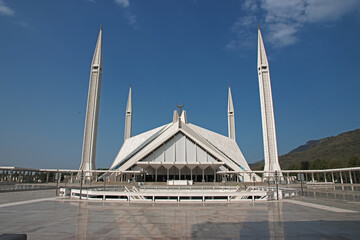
65	219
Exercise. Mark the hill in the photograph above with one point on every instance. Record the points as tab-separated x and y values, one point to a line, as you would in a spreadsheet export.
342	150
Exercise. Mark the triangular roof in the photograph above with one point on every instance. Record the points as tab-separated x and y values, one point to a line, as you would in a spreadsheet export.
134	144
138	147
224	144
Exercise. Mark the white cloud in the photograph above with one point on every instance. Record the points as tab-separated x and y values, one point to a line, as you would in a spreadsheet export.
282	34
128	15
244	36
5	10
283	19
325	10
123	3
251	5
131	19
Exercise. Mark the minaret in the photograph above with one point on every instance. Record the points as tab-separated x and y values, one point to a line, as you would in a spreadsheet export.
231	117
128	117
92	111
267	111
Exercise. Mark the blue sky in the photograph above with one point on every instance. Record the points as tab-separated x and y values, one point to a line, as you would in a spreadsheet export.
173	51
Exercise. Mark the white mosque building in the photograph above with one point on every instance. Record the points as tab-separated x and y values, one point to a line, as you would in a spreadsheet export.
180	150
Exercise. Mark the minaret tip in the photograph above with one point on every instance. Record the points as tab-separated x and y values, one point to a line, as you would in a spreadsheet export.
128	117
101	27
231	117
258	27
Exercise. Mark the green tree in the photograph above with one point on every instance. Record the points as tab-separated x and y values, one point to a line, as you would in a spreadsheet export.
335	164
293	167
319	164
353	161
304	165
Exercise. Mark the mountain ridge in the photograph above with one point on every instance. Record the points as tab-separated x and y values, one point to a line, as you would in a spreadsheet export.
338	151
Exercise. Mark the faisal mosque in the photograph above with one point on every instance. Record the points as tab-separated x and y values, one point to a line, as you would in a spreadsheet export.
180	150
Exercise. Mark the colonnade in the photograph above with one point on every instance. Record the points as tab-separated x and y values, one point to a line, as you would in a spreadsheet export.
36	176
207	174
197	174
336	176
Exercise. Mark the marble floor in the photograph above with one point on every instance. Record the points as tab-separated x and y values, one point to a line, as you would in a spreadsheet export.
40	215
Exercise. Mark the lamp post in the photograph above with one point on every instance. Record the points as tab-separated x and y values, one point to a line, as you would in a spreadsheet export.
57	182
277	185
81	182
301	183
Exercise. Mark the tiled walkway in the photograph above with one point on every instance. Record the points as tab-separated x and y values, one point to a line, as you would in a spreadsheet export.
303	218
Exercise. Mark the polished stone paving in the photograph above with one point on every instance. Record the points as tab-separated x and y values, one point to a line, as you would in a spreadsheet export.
40	216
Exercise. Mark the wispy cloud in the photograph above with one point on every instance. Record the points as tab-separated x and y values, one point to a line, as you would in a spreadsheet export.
131	19
242	29
23	24
128	15
283	19
123	3
5	10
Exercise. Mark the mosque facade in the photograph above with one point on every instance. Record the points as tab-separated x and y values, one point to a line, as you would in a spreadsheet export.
180	150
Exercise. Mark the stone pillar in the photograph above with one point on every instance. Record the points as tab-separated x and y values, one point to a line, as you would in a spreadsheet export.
355	178
341	178
288	178
351	181
332	177
312	176
203	175
325	177
156	175
215	176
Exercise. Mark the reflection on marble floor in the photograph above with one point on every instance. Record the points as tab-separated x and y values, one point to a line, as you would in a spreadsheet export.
64	219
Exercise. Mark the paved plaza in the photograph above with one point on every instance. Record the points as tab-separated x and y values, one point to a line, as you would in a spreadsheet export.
41	215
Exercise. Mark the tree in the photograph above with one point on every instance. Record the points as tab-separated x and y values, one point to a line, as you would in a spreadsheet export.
319	164
353	161
293	167
304	165
336	164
